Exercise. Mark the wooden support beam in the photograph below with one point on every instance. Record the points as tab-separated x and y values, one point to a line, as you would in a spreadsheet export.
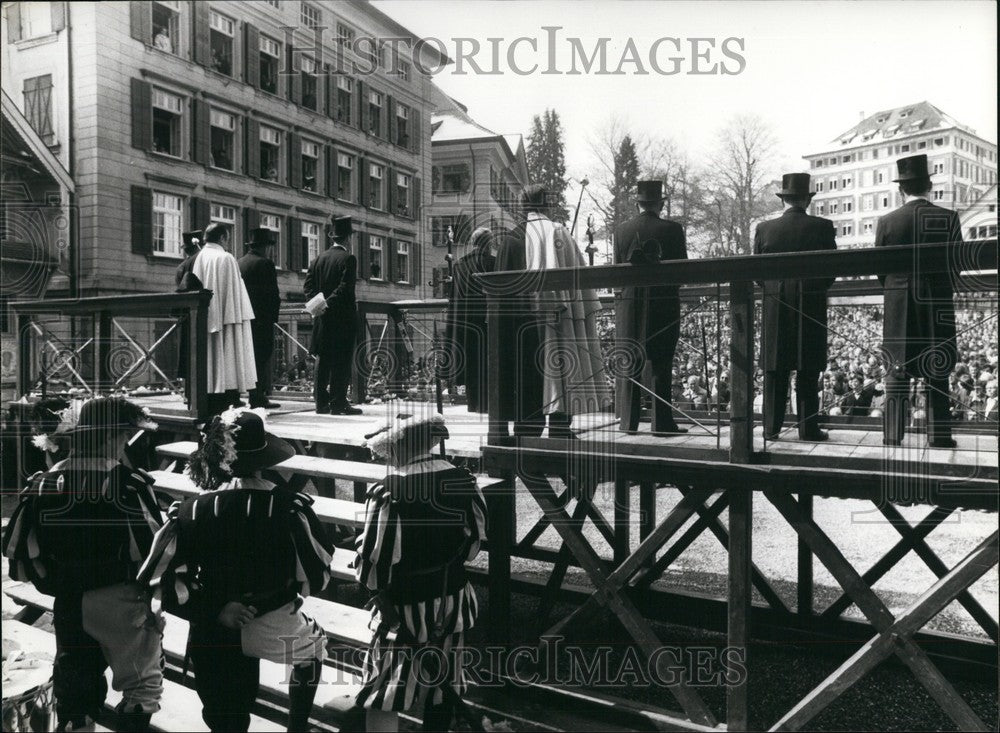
555	580
738	631
892	639
623	609
876	612
804	588
623	513
741	365
500	529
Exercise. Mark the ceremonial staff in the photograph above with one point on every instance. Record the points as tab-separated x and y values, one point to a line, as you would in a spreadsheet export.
583	185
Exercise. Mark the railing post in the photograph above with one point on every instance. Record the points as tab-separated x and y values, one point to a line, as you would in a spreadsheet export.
497	427
359	382
198	357
741	364
102	348
23	354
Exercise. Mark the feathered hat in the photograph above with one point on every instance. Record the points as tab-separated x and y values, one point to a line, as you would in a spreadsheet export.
413	434
93	418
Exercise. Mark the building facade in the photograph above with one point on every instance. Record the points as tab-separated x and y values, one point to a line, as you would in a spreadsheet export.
175	114
853	177
476	181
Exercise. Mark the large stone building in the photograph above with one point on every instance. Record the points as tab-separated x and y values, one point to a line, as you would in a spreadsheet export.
173	114
477	178
853	176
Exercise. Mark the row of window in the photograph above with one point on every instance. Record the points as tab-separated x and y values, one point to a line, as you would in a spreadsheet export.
873	177
168	225
903	148
270	153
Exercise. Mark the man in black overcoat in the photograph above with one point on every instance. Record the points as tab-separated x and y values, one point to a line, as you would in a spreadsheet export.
186	281
918	329
334	274
261	280
647	319
794	313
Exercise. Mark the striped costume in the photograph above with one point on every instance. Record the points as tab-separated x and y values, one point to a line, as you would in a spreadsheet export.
422	524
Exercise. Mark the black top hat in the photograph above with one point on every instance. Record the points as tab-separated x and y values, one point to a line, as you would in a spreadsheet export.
343	227
255	447
794	184
534	197
650	192
260	237
194	237
913	168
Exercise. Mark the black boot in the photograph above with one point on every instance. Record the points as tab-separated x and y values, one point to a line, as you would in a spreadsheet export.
301	693
133	721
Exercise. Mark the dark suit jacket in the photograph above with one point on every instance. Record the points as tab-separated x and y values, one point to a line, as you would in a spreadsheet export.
919	324
334	273
794	310
184	278
261	280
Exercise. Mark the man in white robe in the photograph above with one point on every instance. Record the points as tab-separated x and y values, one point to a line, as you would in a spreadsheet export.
230	363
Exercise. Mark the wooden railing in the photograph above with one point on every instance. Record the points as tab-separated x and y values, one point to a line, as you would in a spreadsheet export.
968	262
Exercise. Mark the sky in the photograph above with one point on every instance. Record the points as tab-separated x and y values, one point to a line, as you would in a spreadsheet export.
810	68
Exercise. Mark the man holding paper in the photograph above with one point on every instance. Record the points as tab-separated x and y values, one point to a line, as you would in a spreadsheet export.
329	288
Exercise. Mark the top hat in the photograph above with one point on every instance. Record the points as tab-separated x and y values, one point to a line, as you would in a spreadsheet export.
794	184
650	192
255	448
534	197
912	168
343	227
196	236
260	237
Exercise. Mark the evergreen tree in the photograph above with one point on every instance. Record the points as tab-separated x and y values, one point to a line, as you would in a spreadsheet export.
626	175
547	163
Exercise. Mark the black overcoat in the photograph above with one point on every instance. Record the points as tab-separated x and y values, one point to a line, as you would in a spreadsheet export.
466	329
261	281
794	310
334	273
918	328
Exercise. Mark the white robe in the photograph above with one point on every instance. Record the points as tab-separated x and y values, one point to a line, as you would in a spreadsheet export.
230	341
573	365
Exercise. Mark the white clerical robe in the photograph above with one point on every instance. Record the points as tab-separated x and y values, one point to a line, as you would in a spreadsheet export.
572	366
230	341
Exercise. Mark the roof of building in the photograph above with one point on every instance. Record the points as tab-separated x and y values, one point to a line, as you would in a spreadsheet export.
905	120
22	145
394	25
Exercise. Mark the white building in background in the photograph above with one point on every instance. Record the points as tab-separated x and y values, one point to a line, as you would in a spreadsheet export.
979	221
853	175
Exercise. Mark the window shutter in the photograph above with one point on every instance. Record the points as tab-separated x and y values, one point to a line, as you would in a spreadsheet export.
389	254
142	220
416	204
294	79
415	263
141	17
331	171
251	220
364	260
202	132
390	120
331	92
252	145
362	106
390	196
251	55
58	16
363	181
14	22
142	115
199	32
304	252
293	252
294	160
201	214
415	129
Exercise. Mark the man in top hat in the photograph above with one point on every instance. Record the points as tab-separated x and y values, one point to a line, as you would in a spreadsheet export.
554	368
261	280
648	319
186	281
794	312
334	274
918	329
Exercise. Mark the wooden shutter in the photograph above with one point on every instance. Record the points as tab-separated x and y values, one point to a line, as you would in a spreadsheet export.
201	214
141	20
388	253
294	79
415	263
415	129
363	181
331	171
142	220
390	192
293	252
362	106
14	22
58	16
251	130
294	160
389	127
417	203
331	92
200	21
201	137
304	251
251	55
251	220
364	261
142	115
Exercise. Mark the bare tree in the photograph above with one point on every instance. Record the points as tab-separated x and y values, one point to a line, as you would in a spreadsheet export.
737	190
